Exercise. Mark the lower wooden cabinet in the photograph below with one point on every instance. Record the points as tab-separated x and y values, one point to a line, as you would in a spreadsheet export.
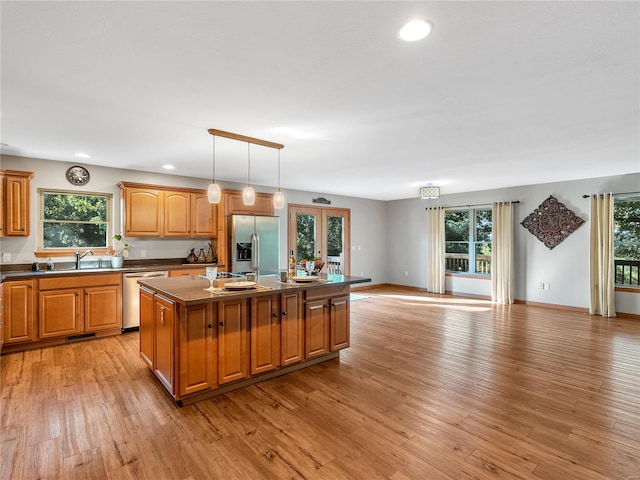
61	312
326	320
163	341
316	329
196	349
264	331
291	328
339	310
19	311
146	326
232	340
77	304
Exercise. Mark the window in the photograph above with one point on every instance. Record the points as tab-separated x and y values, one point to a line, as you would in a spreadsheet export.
468	241
71	220
626	240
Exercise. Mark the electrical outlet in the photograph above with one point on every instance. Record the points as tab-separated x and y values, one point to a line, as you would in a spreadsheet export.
406	274
362	274
6	257
143	253
547	286
541	286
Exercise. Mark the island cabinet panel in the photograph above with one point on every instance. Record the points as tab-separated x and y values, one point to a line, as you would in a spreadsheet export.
291	328
177	214
146	326
198	352
143	212
18	311
61	312
163	341
265	333
232	340
317	323
339	311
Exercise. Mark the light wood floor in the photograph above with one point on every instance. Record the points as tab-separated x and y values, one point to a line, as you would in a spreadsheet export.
431	388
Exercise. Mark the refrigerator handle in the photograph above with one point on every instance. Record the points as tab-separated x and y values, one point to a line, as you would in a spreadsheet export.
255	252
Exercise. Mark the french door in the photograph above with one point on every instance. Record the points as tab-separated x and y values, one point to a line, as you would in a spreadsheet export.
321	232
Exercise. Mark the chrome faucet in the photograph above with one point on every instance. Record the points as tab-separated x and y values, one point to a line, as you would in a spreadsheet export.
80	257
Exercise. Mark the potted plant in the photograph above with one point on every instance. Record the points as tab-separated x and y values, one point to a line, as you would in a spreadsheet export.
117	251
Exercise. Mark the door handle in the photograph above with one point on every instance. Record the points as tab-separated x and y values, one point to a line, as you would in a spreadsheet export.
210	326
284	313
222	324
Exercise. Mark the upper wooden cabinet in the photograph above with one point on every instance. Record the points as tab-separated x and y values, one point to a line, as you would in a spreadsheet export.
156	211
14	203
233	204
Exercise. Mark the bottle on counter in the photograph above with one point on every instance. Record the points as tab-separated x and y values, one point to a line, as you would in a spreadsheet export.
50	264
292	265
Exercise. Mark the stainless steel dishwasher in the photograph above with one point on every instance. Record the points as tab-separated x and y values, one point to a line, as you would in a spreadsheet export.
131	298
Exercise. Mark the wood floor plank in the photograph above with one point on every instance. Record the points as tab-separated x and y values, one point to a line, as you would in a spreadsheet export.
432	387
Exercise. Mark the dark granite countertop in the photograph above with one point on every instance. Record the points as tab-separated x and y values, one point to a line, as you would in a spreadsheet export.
192	290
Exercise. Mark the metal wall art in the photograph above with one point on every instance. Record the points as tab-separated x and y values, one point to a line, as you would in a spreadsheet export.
552	222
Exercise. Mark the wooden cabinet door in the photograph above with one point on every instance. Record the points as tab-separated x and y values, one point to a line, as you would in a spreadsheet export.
2	194
197	348
143	212
316	318
291	328
235	206
146	326
61	312
16	206
265	334
232	340
19	322
187	272
204	216
102	308
177	214
339	323
163	341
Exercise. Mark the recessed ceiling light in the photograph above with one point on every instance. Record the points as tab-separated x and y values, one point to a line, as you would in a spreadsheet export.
82	155
415	30
168	167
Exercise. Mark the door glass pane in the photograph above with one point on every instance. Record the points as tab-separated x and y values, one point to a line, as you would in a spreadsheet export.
306	239
335	244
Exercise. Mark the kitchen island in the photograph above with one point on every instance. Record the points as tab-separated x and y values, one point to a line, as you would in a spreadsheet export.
200	344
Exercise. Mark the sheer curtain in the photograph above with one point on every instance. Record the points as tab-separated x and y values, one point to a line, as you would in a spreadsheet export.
601	269
435	250
502	253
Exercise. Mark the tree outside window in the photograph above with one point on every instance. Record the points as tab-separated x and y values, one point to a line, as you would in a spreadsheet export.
468	241
626	240
73	220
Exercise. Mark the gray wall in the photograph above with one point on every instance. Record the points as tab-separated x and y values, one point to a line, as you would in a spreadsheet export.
368	217
565	267
387	238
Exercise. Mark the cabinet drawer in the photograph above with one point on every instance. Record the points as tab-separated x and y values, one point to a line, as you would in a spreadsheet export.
326	292
187	272
79	281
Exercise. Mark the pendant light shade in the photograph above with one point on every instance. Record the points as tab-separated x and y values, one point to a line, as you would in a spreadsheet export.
278	197
248	195
213	192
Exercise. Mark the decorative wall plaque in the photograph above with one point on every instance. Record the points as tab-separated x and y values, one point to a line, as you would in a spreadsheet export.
552	222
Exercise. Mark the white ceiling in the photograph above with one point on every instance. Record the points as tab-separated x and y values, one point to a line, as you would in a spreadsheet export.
500	94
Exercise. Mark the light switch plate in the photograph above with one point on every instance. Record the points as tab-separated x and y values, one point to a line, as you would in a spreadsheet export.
6	257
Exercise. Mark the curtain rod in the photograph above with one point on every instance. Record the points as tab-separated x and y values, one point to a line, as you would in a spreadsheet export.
474	205
619	193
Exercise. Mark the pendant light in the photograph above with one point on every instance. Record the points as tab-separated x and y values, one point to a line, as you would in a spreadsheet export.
248	195
213	192
278	197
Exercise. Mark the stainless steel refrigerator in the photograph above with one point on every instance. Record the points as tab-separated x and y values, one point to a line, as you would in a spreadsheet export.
254	244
